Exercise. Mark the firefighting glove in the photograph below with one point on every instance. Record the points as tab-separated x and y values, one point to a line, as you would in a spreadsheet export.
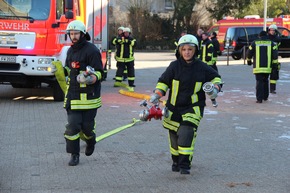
154	98
249	62
157	94
82	79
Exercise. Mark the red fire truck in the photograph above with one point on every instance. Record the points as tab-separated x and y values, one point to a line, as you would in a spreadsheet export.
221	26
33	34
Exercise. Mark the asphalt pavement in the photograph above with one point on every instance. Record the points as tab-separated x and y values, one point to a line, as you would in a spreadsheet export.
241	147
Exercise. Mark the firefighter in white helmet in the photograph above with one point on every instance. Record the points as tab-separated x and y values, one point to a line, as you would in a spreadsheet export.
114	42
184	78
274	76
83	67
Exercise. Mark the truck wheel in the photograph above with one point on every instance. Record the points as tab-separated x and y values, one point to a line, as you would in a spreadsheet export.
23	85
58	94
17	85
235	57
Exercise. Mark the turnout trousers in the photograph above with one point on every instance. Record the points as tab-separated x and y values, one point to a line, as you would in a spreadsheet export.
182	141
81	124
121	66
262	86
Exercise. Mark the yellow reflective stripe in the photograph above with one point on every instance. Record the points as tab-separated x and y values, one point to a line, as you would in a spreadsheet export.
197	87
269	54
174	91
273	81
173	151
74	137
197	111
86	104
185	150
83	96
131	78
257	57
261	70
162	86
98	75
216	80
192	118
169	124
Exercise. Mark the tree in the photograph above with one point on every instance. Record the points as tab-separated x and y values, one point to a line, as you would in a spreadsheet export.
182	16
221	8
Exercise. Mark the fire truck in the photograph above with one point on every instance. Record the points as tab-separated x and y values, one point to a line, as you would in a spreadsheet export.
33	34
221	26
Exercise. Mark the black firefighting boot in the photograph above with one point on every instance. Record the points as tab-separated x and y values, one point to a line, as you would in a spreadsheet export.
184	164
90	146
74	160
272	88
175	166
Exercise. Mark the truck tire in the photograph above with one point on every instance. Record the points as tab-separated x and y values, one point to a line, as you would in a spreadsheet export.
21	85
236	57
58	94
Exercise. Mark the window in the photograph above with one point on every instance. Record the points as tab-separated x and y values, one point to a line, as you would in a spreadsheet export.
168	4
59	9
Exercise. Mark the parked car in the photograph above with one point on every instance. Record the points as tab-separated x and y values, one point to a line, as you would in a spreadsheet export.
238	39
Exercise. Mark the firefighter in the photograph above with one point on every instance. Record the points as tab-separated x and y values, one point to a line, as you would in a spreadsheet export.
274	76
216	46
125	58
114	42
265	56
184	78
207	51
198	35
83	67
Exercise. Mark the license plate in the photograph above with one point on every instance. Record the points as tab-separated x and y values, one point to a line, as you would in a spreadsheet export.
11	59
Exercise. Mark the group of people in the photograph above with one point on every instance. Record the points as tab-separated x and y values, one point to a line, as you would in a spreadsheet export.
264	52
183	79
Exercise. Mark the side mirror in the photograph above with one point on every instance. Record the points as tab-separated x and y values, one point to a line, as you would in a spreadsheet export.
69	14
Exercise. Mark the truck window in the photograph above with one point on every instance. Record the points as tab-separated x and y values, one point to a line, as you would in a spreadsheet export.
230	33
14	8
253	33
39	9
59	9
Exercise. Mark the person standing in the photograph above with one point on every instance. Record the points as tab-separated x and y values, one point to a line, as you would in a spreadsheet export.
184	78
265	56
114	42
125	58
274	76
83	67
207	51
199	36
216	46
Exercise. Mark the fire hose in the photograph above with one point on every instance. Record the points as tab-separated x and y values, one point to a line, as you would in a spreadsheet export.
117	130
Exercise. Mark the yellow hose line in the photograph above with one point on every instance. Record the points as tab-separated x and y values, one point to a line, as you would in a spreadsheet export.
135	94
138	95
117	130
